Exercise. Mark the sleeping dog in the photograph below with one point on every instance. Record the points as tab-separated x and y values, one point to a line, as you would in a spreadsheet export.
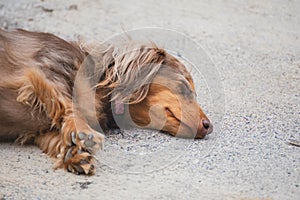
51	91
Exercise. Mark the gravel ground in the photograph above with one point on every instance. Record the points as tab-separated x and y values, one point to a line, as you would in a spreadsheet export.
254	46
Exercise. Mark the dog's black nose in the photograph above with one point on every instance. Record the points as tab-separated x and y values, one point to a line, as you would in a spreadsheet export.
206	123
204	129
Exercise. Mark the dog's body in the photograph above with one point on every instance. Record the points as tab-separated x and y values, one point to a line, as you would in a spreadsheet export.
40	76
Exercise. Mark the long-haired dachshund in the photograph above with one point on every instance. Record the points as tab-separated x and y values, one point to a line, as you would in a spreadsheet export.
46	99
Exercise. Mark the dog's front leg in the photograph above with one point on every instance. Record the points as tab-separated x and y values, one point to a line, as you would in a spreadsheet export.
76	142
83	143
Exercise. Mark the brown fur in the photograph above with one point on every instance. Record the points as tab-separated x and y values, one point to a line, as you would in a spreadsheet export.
41	75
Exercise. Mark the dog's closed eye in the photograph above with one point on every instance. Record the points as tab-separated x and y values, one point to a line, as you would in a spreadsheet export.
185	89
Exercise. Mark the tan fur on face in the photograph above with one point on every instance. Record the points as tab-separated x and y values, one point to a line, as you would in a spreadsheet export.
182	116
173	91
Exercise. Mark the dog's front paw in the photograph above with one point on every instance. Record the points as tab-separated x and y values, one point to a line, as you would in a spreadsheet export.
89	140
78	161
80	143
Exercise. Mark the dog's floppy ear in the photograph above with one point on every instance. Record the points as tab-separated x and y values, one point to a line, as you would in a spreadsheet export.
132	71
147	66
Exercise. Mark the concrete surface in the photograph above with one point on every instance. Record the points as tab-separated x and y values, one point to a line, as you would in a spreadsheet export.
254	45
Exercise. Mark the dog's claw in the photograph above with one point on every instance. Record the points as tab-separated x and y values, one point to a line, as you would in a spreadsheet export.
73	137
79	169
68	154
70	169
91	136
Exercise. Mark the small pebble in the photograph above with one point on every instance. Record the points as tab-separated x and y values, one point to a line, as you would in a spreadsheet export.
73	7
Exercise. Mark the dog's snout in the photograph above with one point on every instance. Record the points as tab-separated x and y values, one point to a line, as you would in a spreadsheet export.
206	123
204	129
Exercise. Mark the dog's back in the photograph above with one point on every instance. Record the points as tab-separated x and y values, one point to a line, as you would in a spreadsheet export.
20	53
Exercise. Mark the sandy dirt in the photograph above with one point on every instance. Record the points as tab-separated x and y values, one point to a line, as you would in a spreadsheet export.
254	47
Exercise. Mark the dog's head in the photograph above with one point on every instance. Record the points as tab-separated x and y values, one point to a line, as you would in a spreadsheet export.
158	90
170	104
